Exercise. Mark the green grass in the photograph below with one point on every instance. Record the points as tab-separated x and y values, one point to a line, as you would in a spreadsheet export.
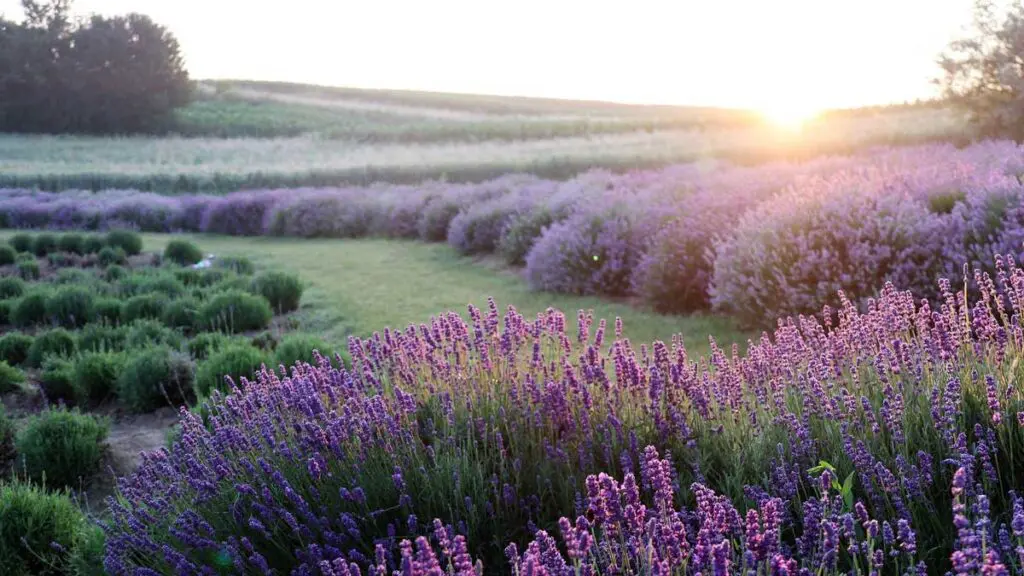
357	287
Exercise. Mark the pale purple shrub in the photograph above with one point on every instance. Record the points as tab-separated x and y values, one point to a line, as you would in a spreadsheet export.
480	227
590	253
795	254
325	214
242	214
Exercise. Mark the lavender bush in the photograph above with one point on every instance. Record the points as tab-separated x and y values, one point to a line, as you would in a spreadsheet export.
879	441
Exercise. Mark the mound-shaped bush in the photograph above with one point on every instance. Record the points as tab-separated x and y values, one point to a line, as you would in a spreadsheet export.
108	310
21	242
478	228
143	306
235	311
102	337
182	314
155	377
29	270
437	216
92	244
295	348
6	437
8	255
10	377
143	333
44	244
110	256
61	448
586	254
115	273
240	214
203	345
182	252
11	287
126	240
58	342
5	311
794	254
38	529
14	347
76	276
96	374
30	310
236	361
282	290
71	243
322	215
237	264
70	306
57	381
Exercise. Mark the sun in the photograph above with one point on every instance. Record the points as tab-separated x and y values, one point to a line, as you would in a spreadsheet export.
789	115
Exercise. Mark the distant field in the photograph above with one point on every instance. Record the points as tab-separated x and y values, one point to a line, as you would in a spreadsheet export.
244	135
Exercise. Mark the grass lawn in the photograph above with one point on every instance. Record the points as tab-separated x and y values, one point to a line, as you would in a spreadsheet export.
356	287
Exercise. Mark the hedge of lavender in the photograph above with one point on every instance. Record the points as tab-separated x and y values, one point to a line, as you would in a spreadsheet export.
885	441
758	242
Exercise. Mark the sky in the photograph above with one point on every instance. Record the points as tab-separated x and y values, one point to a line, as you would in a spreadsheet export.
762	54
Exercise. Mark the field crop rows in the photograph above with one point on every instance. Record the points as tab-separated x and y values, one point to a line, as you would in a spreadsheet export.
272	141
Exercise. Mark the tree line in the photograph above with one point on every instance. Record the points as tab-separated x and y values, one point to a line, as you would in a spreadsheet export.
99	75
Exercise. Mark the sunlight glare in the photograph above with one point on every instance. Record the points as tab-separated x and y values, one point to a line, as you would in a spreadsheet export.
789	115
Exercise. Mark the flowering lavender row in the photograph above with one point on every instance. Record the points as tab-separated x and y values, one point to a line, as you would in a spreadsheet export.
757	242
882	441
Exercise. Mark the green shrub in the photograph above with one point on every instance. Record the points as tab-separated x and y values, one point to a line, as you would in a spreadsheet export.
235	311
282	290
299	348
61	447
5	311
32	520
6	437
264	341
57	381
58	342
109	256
143	306
236	264
182	314
205	344
102	337
182	252
109	310
92	244
155	377
43	244
188	276
126	240
86	558
11	287
29	270
115	272
144	333
72	243
10	378
165	284
30	310
97	373
234	360
21	242
14	347
74	276
62	260
70	306
8	255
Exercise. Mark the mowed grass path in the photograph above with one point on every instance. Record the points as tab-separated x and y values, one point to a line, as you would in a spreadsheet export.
357	287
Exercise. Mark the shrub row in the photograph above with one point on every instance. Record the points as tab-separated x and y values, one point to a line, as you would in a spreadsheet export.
755	242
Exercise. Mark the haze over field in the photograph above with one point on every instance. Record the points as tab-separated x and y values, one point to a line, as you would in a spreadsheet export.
802	55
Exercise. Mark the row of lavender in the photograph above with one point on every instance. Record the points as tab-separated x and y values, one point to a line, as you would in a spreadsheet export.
889	443
757	242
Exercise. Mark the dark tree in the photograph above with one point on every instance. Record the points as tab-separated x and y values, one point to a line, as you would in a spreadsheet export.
103	75
983	72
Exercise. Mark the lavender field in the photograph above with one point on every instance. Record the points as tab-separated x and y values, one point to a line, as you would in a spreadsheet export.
875	427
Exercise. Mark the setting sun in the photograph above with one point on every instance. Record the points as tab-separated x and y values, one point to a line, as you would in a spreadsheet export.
789	115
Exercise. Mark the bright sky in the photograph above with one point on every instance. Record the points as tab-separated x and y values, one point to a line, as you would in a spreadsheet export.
744	53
